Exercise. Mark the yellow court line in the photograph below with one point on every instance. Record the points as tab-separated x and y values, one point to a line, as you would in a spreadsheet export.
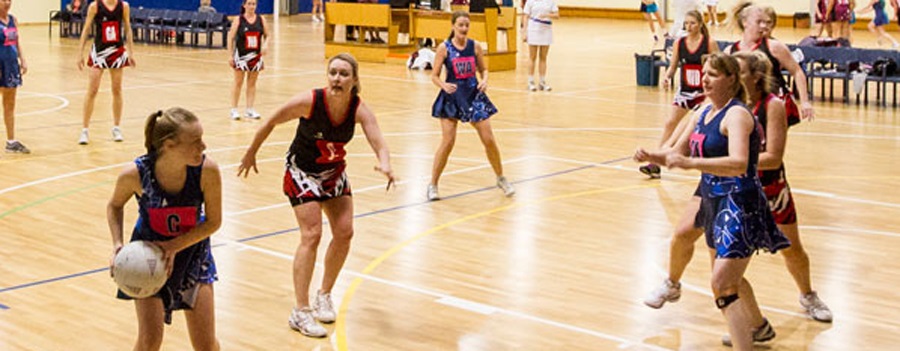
340	326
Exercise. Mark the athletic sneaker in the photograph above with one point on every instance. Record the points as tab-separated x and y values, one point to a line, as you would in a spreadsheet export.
668	292
16	148
316	19
432	193
235	115
760	335
545	87
815	308
302	321
651	170
504	185
117	134
252	114
323	309
531	86
83	139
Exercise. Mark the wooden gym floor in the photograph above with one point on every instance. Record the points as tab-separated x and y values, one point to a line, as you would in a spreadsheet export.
564	265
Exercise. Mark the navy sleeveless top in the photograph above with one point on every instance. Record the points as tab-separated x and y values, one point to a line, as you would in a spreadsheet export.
460	64
707	141
164	216
319	143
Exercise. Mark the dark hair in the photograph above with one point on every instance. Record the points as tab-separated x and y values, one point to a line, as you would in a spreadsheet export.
699	17
164	125
456	16
346	57
244	2
759	65
727	65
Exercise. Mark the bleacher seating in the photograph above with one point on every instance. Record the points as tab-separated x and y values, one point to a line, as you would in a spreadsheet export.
159	26
828	64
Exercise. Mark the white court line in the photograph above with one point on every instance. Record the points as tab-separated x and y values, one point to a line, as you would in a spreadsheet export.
228	215
460	302
846	136
850	230
64	104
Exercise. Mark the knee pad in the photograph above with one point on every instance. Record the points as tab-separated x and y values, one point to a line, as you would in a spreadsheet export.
723	301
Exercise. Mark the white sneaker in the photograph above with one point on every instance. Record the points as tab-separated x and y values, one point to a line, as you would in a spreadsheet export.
760	335
815	308
302	321
504	185
668	292
321	18
235	115
316	19
531	86
432	193
323	309
83	139
117	134
545	87
252	114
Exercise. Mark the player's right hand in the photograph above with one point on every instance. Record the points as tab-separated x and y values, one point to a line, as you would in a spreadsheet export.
248	162
449	88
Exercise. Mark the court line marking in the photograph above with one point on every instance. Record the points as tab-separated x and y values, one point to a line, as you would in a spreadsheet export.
64	104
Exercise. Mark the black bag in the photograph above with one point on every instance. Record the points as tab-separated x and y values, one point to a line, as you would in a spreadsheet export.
884	66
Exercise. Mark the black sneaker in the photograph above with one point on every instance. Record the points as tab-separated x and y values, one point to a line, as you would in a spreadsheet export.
760	335
651	170
17	148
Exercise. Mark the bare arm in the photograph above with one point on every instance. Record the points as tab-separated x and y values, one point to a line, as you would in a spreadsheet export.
85	30
232	32
737	125
677	143
211	184
264	46
128	184
366	118
295	108
781	52
126	25
23	66
776	136
713	45
438	66
673	63
482	67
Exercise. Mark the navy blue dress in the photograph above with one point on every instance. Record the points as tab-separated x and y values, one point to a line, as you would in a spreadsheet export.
733	210
467	104
10	74
163	217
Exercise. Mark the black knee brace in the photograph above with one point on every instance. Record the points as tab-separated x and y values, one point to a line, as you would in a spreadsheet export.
724	301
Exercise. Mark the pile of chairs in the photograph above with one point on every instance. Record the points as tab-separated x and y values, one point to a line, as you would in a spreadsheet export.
160	26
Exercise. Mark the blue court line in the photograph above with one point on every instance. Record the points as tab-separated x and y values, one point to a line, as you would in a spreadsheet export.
361	215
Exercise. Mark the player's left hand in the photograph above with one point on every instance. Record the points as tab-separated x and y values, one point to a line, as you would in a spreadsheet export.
807	112
389	174
482	86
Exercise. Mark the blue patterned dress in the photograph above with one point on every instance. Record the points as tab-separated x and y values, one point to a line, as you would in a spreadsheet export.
10	74
467	104
164	216
733	210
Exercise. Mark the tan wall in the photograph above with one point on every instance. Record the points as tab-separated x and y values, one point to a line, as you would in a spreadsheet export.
33	11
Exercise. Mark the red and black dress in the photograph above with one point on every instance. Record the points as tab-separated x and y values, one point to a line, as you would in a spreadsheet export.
109	42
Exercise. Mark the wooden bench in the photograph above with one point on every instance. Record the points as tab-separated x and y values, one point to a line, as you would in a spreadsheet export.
483	27
379	16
